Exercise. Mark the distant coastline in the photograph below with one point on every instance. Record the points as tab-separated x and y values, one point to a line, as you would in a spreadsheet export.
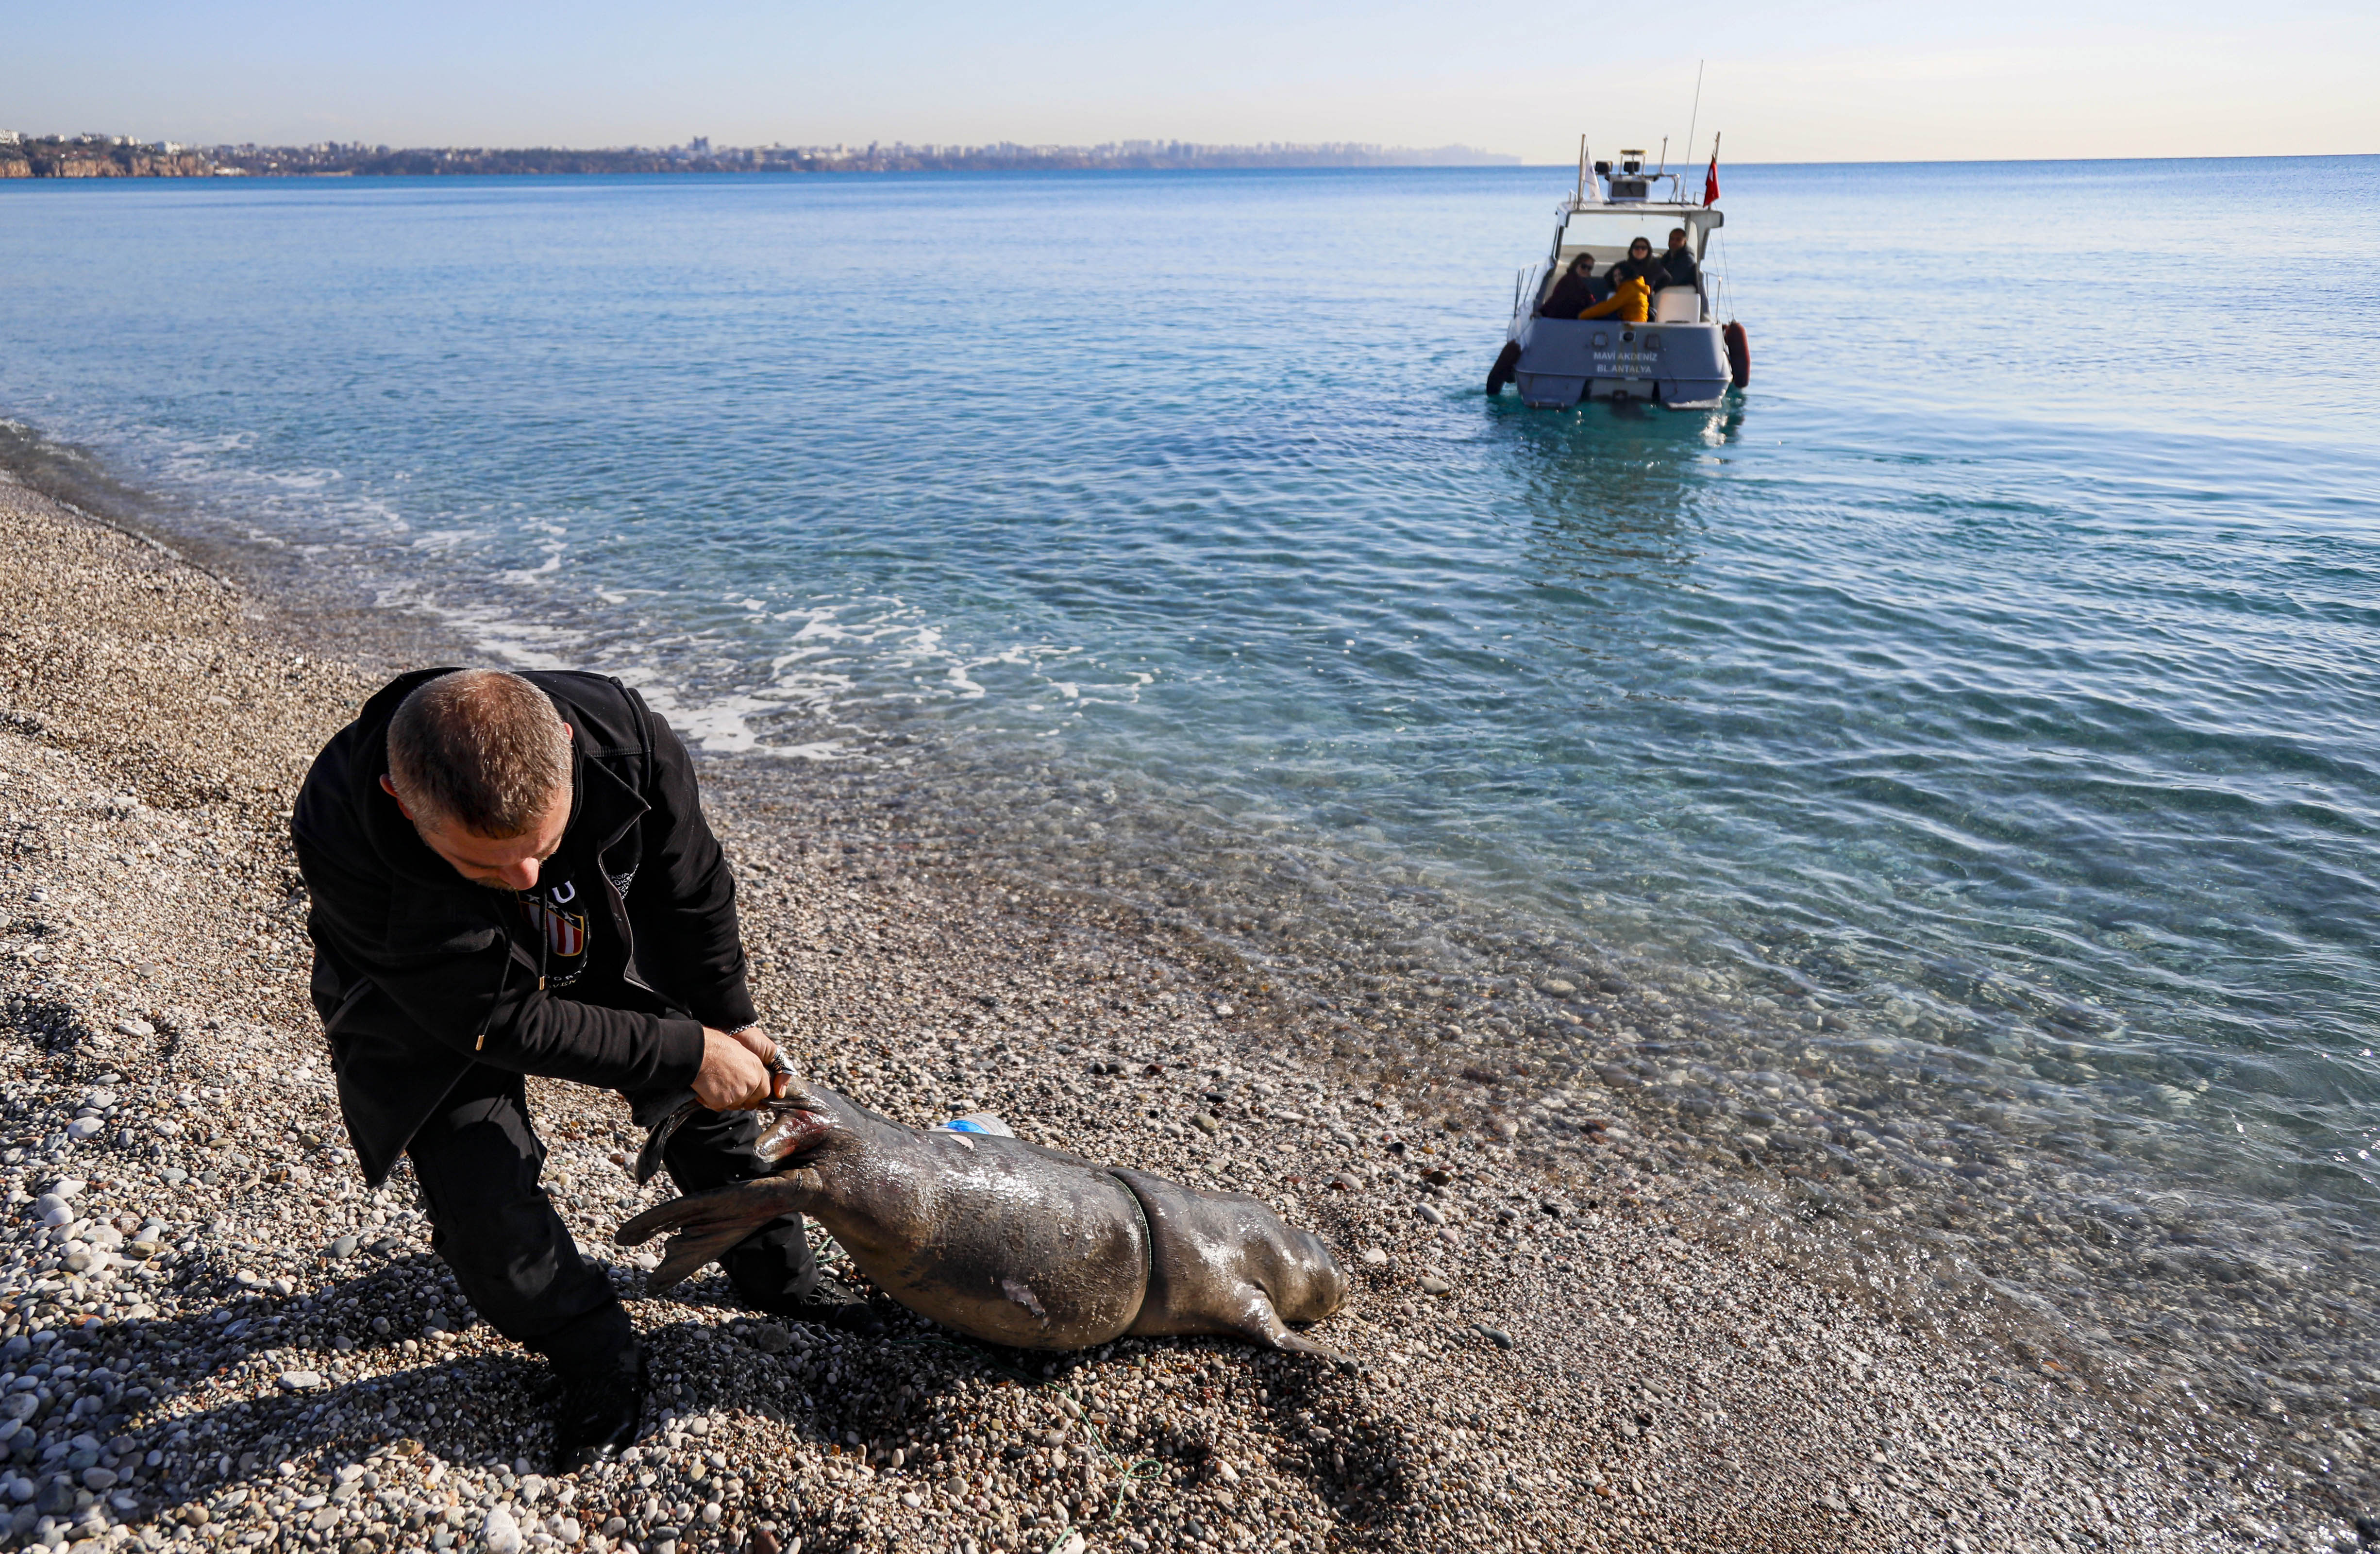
105	156
98	156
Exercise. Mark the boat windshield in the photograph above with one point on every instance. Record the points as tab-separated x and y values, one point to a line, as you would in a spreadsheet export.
1606	234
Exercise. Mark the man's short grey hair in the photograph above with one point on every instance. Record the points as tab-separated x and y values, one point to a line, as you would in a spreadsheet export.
479	748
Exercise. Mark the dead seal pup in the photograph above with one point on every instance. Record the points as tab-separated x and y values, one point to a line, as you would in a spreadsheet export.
1007	1241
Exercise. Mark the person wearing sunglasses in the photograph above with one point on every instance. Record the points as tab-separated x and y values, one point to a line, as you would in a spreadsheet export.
1574	293
1640	264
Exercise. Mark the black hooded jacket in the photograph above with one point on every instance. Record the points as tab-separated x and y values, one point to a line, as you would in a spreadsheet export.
605	974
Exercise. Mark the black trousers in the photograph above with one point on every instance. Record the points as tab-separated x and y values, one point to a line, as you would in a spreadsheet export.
477	1160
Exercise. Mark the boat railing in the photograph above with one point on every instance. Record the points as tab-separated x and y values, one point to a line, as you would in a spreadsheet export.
1526	283
1722	298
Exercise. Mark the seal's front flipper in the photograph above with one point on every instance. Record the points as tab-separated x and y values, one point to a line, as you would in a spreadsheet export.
1300	1344
1264	1326
709	1224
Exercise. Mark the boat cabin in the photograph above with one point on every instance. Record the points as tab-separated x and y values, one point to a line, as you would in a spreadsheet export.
1603	232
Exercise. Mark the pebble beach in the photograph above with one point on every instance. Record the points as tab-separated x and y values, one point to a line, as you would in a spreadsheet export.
213	1335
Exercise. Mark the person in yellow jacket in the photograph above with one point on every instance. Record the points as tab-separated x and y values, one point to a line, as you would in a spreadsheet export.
1631	300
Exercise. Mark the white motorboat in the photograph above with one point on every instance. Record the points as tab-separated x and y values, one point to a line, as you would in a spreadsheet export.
1674	351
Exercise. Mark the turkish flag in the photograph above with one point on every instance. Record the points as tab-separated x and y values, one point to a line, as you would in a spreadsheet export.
1710	182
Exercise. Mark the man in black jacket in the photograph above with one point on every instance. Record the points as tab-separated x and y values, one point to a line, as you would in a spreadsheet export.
512	875
1678	266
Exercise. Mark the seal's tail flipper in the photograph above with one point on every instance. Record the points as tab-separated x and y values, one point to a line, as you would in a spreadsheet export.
709	1224
661	1115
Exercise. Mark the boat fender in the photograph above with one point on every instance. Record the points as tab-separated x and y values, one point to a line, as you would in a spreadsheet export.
1502	373
1739	354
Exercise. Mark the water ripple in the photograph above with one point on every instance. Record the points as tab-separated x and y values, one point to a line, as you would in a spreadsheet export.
1973	731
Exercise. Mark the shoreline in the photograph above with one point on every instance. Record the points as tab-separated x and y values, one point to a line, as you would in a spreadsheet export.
1664	1385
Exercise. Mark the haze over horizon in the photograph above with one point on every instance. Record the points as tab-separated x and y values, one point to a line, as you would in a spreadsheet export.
1850	80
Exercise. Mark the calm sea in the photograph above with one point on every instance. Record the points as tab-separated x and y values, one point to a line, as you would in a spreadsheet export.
1974	729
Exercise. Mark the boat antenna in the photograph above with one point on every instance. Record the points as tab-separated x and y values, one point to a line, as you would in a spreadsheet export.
1578	195
1697	116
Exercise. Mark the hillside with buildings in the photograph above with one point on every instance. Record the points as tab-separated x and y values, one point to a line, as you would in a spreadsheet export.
96	156
102	156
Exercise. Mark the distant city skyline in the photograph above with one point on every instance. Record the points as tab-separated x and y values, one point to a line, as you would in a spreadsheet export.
1847	80
104	156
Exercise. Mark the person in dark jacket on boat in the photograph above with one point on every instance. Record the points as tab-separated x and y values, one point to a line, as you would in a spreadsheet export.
1640	265
1678	266
511	874
1574	293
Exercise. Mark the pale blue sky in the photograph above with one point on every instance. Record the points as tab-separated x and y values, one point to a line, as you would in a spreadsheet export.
1847	80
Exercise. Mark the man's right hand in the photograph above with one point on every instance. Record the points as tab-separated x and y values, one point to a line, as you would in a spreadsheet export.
732	1077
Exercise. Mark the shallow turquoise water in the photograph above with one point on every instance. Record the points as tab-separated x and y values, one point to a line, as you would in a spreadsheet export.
1997	672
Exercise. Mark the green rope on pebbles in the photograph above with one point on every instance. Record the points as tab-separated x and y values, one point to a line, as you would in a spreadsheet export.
1126	1473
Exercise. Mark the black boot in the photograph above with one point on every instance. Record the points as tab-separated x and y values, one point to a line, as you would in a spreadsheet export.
773	1271
829	1302
602	1411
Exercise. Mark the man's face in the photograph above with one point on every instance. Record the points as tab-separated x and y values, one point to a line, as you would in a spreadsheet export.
508	863
1677	241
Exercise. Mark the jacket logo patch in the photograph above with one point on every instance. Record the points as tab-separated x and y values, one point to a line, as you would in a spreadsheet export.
566	932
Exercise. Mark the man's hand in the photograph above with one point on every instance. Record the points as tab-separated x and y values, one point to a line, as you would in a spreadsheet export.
736	1076
764	1047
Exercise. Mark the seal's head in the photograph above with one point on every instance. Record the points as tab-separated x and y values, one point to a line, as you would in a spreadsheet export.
1306	1283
